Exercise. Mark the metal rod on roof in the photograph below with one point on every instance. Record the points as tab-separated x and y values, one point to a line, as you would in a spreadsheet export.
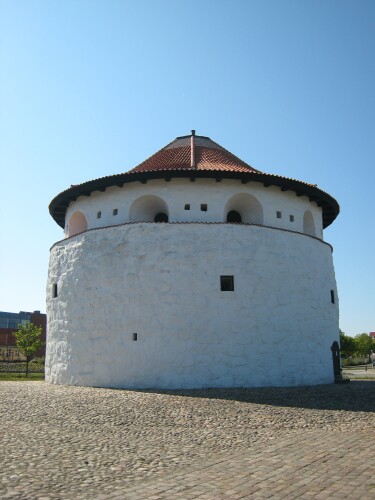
192	150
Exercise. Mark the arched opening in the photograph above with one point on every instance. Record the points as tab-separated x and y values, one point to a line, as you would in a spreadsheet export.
77	224
309	224
234	217
161	217
148	208
243	207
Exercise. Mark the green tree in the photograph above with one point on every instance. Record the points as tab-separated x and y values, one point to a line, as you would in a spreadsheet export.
364	344
347	344
28	341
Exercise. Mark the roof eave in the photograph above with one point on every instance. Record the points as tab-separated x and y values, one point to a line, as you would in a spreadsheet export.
60	203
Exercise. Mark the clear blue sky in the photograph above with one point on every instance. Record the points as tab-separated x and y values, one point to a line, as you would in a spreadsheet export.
92	88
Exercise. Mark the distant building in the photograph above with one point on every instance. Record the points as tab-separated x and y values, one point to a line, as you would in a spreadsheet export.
372	334
9	322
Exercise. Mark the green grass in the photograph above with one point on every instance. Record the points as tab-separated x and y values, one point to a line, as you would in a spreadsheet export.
20	377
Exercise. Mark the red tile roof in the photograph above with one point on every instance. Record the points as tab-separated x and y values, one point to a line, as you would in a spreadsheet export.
193	153
195	157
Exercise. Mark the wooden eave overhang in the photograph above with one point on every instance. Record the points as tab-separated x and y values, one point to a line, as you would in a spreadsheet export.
329	205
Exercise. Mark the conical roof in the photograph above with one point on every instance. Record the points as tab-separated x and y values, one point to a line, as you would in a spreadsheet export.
194	157
191	152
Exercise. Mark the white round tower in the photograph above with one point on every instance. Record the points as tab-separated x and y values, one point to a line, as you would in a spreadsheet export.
192	270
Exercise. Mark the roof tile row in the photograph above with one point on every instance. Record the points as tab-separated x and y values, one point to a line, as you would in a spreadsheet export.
207	155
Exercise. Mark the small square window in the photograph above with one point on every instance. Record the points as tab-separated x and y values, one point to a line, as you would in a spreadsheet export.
187	206
332	296
291	218
99	215
115	211
204	207
278	215
54	290
135	336
227	283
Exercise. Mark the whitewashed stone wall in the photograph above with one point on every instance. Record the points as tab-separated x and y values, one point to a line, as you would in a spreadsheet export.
162	281
179	192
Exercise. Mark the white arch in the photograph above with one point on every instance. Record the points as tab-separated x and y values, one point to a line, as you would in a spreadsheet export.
77	223
309	224
247	206
145	208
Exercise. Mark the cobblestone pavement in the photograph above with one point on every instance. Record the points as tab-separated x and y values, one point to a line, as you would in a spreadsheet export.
86	443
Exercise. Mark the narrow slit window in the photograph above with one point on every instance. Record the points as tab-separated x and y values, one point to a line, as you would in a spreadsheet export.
54	290
115	211
99	215
291	218
204	207
332	296
135	336
278	215
187	206
227	283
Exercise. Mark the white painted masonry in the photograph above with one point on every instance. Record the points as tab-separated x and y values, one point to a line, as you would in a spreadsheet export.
162	281
178	192
135	303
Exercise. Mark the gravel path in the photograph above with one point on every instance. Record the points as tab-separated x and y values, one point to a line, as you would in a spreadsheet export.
78	442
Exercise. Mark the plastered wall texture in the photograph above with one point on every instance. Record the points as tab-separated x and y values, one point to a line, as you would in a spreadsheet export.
220	198
162	281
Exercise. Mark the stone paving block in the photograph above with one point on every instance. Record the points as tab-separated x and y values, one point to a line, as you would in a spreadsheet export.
332	457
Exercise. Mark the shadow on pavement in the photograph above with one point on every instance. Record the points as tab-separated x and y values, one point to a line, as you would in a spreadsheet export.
355	396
